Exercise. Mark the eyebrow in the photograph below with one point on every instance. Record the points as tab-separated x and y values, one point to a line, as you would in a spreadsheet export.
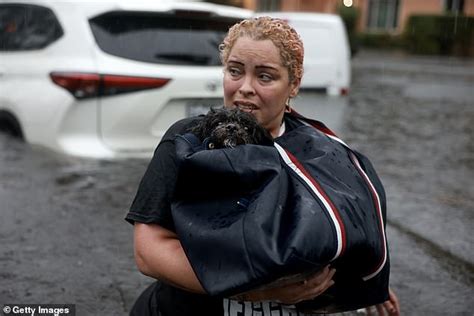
259	66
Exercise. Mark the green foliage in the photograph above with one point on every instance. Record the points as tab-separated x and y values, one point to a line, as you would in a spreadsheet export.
350	16
381	40
440	35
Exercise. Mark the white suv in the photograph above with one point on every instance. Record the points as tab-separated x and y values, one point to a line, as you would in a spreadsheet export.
106	79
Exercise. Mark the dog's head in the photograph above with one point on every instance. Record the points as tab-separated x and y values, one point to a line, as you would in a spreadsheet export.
230	127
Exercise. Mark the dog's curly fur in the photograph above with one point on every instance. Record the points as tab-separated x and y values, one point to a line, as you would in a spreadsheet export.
227	128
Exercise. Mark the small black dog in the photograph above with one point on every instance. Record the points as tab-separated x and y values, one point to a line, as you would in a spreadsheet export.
227	128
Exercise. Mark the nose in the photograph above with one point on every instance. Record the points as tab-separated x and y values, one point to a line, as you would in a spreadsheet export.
247	87
231	127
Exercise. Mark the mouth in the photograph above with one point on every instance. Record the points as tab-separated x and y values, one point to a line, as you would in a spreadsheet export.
245	106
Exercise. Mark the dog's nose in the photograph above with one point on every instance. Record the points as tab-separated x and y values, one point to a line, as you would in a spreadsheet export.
231	127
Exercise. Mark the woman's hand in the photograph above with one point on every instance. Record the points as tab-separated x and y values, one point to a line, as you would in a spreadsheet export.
388	308
294	292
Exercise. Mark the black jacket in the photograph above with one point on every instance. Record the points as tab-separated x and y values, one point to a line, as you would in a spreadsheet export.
252	214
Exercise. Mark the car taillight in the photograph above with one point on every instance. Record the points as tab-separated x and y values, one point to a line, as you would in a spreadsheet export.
89	85
344	91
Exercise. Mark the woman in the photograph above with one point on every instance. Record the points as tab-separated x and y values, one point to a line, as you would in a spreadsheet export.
263	66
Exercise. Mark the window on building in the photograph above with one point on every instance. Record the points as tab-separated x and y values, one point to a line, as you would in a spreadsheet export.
383	14
454	6
269	5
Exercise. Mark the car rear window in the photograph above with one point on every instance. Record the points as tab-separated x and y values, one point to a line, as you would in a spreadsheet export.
27	27
186	38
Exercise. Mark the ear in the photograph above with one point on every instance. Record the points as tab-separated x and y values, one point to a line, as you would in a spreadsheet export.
295	87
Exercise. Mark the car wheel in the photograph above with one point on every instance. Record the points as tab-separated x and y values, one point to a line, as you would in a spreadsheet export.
9	125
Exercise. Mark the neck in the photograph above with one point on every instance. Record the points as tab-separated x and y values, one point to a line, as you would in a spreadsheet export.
278	131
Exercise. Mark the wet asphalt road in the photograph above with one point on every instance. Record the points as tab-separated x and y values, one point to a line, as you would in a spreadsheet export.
63	238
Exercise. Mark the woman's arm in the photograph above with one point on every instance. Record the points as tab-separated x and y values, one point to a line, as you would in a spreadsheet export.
159	254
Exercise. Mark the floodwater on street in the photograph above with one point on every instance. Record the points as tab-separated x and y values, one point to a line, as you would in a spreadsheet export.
64	239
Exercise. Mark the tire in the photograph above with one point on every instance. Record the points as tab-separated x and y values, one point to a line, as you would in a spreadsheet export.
9	125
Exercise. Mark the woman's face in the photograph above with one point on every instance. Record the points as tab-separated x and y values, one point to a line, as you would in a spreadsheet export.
256	81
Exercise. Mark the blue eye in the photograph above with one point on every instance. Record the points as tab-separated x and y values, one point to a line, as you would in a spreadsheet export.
266	77
233	71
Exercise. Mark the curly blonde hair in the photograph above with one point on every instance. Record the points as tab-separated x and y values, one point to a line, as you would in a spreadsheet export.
283	36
